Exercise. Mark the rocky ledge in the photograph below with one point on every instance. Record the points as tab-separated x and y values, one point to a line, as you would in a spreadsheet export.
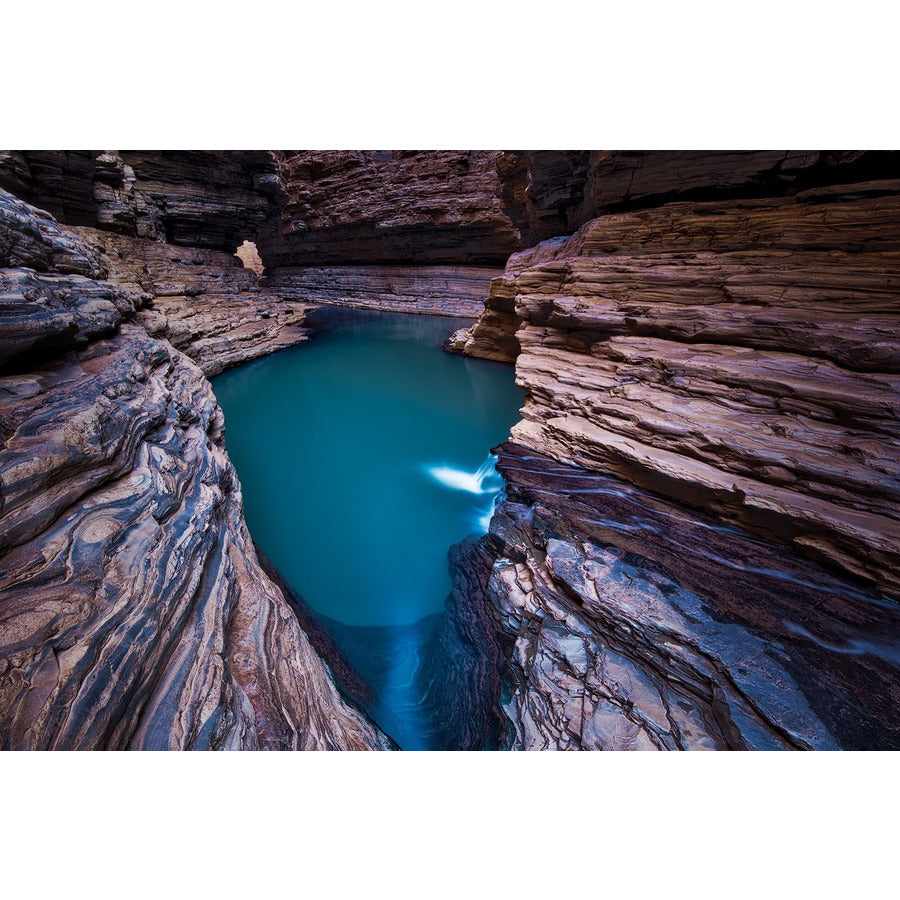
741	357
204	302
430	290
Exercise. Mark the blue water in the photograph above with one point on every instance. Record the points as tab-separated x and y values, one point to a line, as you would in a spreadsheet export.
364	456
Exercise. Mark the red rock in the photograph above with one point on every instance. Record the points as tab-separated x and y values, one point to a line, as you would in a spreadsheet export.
739	356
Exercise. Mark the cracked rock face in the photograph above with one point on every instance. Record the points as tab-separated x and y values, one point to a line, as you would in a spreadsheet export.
134	613
741	357
640	626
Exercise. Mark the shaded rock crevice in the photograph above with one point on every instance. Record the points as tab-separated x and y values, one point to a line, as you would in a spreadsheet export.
199	198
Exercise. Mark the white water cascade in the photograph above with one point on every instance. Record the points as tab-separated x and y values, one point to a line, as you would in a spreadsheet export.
484	482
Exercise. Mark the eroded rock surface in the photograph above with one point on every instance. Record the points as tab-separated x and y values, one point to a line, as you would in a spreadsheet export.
134	613
202	198
553	192
741	357
461	683
639	625
735	351
348	207
203	302
434	290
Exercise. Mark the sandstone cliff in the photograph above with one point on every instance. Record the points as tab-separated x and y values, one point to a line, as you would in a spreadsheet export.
741	358
134	611
379	228
380	206
548	193
431	290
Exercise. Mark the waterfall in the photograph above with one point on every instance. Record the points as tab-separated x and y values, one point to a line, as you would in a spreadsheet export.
485	482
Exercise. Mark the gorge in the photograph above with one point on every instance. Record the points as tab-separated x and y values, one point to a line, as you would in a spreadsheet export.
384	465
697	544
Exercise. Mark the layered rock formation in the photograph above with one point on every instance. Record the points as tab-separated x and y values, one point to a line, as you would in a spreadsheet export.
381	206
638	624
738	356
134	611
431	290
714	350
378	228
461	682
548	193
421	231
204	302
199	198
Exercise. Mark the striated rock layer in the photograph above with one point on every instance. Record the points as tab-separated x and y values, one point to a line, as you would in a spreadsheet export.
640	625
365	207
344	207
202	198
134	613
553	192
204	302
741	357
734	355
461	681
434	290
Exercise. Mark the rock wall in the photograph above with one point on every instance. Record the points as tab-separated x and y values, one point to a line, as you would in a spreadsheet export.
640	625
435	290
716	344
199	198
133	609
374	206
741	357
553	192
379	228
204	302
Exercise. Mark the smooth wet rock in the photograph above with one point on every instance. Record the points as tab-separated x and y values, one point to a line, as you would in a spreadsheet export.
461	683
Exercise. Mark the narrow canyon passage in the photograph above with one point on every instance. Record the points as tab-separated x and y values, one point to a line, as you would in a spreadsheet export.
697	539
364	458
